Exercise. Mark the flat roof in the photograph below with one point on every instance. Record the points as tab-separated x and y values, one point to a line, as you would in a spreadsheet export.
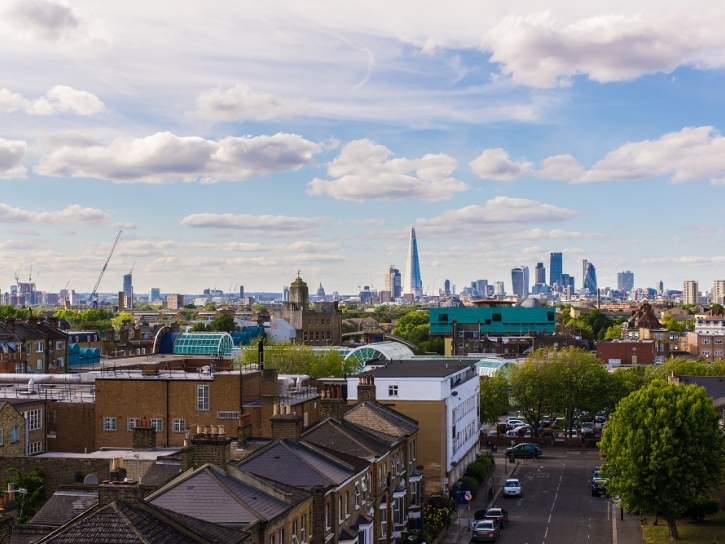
420	368
126	453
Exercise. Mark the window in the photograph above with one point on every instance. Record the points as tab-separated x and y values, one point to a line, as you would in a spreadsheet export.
202	397
339	509
158	424
281	536
705	353
392	390
705	340
179	425
303	527
347	504
14	434
460	334
294	528
39	365
357	495
39	347
227	415
327	515
443	318
383	519
496	317
271	538
718	340
109	424
718	352
2	437
35	447
131	423
34	418
59	345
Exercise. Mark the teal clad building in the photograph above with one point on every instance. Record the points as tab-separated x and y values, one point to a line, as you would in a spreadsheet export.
494	320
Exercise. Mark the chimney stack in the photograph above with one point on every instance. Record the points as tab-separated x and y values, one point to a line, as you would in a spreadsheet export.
332	403
286	424
210	444
144	436
366	388
244	430
127	491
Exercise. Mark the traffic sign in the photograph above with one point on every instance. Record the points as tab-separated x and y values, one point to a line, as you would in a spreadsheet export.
468	496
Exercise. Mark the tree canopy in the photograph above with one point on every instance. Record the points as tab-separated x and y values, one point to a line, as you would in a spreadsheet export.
223	323
494	391
95	318
414	327
299	359
663	449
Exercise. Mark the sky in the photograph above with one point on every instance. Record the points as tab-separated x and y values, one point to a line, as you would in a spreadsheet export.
237	143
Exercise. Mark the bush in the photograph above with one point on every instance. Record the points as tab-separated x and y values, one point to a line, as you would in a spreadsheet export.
436	515
478	470
702	506
470	484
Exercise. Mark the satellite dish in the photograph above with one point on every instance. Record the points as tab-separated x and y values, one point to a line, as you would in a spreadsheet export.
91	479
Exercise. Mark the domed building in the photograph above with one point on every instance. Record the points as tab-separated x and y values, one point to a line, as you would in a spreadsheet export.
320	291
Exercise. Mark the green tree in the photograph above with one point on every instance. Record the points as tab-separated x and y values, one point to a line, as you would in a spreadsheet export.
614	332
118	320
299	359
413	327
34	485
210	306
494	392
189	306
532	389
671	324
199	326
223	323
664	449
622	382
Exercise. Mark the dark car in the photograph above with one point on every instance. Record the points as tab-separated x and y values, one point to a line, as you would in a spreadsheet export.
599	487
523	450
499	515
486	530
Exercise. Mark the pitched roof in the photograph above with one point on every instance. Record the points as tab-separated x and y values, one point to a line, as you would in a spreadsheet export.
63	506
714	385
382	420
161	472
297	464
344	437
210	494
123	523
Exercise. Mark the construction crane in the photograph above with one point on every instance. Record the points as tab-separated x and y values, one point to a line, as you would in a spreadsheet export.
94	294
134	266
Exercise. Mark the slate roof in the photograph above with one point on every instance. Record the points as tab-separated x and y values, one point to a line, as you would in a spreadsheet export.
344	437
297	464
714	385
28	333
161	472
123	523
211	494
63	506
385	422
419	368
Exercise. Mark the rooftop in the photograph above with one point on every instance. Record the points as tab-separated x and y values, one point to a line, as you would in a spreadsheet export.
420	368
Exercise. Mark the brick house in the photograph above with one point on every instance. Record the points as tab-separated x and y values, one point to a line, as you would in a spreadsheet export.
706	345
627	352
22	427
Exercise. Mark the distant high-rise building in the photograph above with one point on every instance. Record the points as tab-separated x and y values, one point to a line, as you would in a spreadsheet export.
241	292
499	290
718	292
520	281
447	287
393	283
625	281
590	278
661	287
413	284
154	294
540	273
482	287
175	302
690	292
285	293
128	290
555	268
566	282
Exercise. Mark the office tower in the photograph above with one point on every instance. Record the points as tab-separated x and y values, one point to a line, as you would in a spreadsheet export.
285	294
690	292
718	291
661	287
555	268
520	281
625	281
241	292
413	284
447	287
590	278
128	290
392	282
499	290
567	282
482	287
154	294
540	273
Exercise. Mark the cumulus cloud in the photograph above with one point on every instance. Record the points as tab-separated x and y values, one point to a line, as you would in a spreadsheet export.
364	171
165	157
533	50
74	214
494	163
269	225
12	153
240	103
497	211
46	20
556	234
59	99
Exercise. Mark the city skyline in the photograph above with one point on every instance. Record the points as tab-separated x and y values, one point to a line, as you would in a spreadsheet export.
271	139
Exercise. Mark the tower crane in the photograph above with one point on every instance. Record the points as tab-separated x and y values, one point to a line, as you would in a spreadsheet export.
132	267
94	294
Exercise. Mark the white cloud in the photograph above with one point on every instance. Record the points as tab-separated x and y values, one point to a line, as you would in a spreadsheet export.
497	211
240	103
59	99
494	163
560	167
371	222
12	153
165	157
46	20
74	214
364	171
535	51
267	225
556	234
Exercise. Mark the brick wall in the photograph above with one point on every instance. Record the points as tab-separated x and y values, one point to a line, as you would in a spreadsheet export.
57	471
10	417
73	425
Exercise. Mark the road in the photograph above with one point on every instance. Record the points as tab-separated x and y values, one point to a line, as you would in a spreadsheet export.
557	506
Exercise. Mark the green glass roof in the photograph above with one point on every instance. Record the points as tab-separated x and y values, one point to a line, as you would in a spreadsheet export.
386	351
489	367
204	343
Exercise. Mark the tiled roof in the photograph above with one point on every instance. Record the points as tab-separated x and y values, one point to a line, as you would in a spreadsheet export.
381	419
211	531
63	506
714	385
297	464
212	495
341	436
161	472
122	523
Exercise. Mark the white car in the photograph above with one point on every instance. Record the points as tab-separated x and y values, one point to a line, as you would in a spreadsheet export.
514	422
512	488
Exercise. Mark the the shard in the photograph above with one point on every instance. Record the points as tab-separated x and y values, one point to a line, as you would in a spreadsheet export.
413	284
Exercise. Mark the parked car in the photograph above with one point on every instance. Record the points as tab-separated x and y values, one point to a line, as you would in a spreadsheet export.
601	417
523	450
499	515
546	421
599	487
493	432
479	515
512	488
588	426
485	531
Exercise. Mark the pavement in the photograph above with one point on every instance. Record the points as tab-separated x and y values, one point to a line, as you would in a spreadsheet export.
624	531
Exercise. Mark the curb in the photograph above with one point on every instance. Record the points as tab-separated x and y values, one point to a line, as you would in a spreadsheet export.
498	493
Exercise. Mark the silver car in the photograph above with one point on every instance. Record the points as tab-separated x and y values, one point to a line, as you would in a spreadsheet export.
512	488
486	531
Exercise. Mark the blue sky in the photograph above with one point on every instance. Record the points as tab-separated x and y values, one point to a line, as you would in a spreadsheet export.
239	143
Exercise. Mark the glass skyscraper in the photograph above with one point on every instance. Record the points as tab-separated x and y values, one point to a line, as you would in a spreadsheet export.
590	278
555	268
413	284
520	281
